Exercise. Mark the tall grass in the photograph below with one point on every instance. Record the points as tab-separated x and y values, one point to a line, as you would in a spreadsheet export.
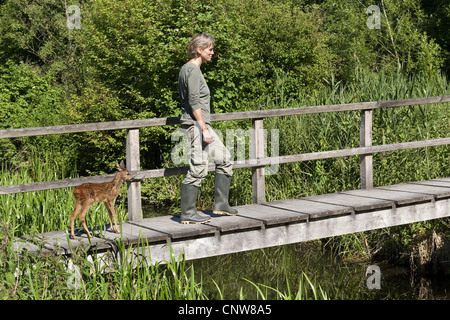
306	290
129	277
340	130
126	275
47	210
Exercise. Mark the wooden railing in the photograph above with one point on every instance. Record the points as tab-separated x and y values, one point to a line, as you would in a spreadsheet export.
257	162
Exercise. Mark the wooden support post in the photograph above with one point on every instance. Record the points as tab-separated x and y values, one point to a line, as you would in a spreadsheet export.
365	140
133	164
257	151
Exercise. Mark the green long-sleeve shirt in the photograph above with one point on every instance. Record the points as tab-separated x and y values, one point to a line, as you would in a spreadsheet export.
194	94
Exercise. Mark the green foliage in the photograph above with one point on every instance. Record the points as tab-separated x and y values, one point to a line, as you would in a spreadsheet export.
135	50
437	21
305	289
128	276
269	39
123	62
400	43
35	32
28	100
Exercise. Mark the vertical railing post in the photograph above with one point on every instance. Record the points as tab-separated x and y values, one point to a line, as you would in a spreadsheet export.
257	151
365	140
133	164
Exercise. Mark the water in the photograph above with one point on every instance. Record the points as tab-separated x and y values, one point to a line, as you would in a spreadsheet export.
338	278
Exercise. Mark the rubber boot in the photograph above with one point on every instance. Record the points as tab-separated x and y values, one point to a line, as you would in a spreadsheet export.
189	214
221	193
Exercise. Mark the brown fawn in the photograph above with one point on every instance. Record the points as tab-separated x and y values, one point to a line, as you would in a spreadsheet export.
88	193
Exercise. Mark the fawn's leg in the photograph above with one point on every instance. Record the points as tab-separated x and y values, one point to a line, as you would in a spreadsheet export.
83	212
73	216
112	214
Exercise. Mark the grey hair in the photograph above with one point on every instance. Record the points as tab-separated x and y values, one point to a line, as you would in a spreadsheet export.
202	41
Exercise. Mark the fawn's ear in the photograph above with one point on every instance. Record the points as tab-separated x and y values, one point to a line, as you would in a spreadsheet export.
121	166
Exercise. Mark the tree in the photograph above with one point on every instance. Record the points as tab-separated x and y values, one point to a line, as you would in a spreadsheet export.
35	32
437	25
28	100
399	43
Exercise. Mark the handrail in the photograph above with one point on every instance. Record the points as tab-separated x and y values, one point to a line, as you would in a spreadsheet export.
261	162
256	114
258	161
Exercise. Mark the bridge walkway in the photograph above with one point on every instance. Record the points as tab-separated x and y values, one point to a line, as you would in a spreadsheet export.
261	225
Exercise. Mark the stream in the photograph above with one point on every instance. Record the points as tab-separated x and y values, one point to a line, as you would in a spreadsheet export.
338	278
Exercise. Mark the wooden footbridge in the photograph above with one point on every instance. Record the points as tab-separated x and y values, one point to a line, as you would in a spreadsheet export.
265	225
261	224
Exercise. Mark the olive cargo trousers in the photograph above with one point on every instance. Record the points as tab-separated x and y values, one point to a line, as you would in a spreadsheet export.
199	152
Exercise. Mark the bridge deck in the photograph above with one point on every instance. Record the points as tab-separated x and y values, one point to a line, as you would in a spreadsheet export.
264	225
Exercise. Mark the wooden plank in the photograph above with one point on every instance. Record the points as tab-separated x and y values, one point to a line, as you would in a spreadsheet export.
352	151
301	157
58	240
86	127
171	225
339	153
233	223
134	187
435	183
271	215
22	245
328	108
357	203
240	164
437	192
132	234
300	232
257	151
399	197
141	123
315	210
365	140
49	185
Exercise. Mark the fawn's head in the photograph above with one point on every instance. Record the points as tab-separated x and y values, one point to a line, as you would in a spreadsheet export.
123	172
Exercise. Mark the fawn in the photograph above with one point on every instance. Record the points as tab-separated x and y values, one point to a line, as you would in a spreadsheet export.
88	193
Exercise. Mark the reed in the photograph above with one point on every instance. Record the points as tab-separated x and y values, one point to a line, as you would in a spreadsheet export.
47	210
129	277
338	130
82	277
306	290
